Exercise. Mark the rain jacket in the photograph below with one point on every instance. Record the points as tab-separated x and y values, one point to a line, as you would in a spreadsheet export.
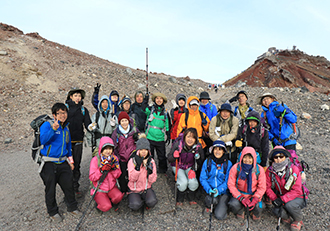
195	121
56	143
274	123
215	178
124	146
209	109
295	191
175	116
95	173
238	187
138	181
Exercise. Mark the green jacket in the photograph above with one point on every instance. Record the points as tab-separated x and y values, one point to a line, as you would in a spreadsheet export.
158	123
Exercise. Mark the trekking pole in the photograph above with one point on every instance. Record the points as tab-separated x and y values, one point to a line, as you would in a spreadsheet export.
104	174
175	186
211	210
147	70
279	220
247	218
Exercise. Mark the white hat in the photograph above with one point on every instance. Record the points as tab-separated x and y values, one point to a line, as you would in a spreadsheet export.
194	101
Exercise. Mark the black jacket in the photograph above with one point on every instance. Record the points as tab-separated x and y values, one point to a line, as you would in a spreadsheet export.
140	116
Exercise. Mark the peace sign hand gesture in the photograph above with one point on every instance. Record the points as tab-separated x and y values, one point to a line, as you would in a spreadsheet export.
56	125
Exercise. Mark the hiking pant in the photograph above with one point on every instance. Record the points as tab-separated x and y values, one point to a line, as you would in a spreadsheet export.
123	179
238	208
52	174
161	154
104	200
136	200
220	203
292	208
183	182
77	149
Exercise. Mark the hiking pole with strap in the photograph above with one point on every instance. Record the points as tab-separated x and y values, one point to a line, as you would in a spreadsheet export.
212	201
247	218
147	70
279	219
104	174
175	186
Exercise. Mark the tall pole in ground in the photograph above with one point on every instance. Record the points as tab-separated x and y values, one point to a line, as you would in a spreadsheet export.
147	69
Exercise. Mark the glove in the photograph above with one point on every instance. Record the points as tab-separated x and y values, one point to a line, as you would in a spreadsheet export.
278	202
97	88
233	99
211	191
113	121
253	203
278	111
176	154
106	167
168	137
246	202
136	136
238	143
150	168
216	192
191	174
138	161
204	121
92	127
229	143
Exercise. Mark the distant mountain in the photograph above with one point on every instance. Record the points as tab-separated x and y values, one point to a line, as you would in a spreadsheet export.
286	68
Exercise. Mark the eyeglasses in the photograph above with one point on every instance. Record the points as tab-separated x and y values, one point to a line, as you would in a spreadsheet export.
279	157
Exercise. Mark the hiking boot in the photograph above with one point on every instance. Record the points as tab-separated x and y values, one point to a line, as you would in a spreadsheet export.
287	221
206	212
296	225
268	202
255	218
76	213
193	203
240	216
179	203
56	218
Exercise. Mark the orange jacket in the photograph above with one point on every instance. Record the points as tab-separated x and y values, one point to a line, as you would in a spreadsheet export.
195	121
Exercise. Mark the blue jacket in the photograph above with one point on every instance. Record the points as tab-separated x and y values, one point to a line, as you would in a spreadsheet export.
215	178
56	143
95	101
274	123
209	109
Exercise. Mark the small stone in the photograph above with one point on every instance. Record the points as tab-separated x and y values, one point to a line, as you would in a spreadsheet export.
305	115
8	140
324	107
3	53
172	79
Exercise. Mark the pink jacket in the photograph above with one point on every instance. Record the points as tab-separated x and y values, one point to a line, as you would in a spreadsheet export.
138	179
296	190
95	174
238	186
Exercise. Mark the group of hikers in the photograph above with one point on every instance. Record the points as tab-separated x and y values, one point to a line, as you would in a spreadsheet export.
218	154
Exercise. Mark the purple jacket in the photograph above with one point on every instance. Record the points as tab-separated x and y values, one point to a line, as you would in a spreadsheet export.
124	146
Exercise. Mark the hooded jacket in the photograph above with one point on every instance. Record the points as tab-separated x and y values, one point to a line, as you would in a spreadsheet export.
254	137
176	114
95	173
274	124
209	109
215	178
124	146
140	180
238	187
113	105
77	120
56	143
140	116
195	121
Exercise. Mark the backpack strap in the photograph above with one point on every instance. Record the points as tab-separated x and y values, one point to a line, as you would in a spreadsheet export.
235	111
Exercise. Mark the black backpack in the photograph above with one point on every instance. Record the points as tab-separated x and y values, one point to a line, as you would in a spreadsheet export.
36	145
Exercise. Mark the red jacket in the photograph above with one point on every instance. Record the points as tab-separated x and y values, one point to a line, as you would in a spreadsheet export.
238	186
176	114
295	191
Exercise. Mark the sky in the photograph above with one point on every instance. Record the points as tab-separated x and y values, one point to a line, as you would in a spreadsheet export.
208	40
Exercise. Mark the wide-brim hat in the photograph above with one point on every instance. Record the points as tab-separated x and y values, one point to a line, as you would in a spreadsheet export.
155	95
265	95
225	106
76	90
204	95
277	150
218	143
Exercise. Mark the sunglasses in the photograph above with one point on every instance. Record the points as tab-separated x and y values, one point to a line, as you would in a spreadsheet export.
279	157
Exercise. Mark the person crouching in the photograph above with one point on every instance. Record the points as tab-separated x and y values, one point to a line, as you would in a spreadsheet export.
142	173
108	192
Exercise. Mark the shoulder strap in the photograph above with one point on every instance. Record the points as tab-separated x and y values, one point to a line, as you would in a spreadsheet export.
82	110
235	111
209	163
186	118
201	115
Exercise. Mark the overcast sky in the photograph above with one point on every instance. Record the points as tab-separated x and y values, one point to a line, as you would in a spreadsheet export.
209	40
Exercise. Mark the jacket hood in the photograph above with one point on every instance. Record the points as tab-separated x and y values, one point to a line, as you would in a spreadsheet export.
180	96
189	100
253	115
249	150
104	97
279	149
105	141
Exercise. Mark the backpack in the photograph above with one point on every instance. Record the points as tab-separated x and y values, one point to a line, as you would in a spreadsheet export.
187	116
36	145
151	118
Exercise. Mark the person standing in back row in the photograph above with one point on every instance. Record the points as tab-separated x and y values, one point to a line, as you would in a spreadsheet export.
243	109
78	118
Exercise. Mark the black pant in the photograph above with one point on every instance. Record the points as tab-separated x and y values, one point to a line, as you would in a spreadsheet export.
161	154
52	174
123	179
77	149
137	200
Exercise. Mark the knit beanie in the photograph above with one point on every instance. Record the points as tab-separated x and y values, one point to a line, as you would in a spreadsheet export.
123	115
277	150
143	143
